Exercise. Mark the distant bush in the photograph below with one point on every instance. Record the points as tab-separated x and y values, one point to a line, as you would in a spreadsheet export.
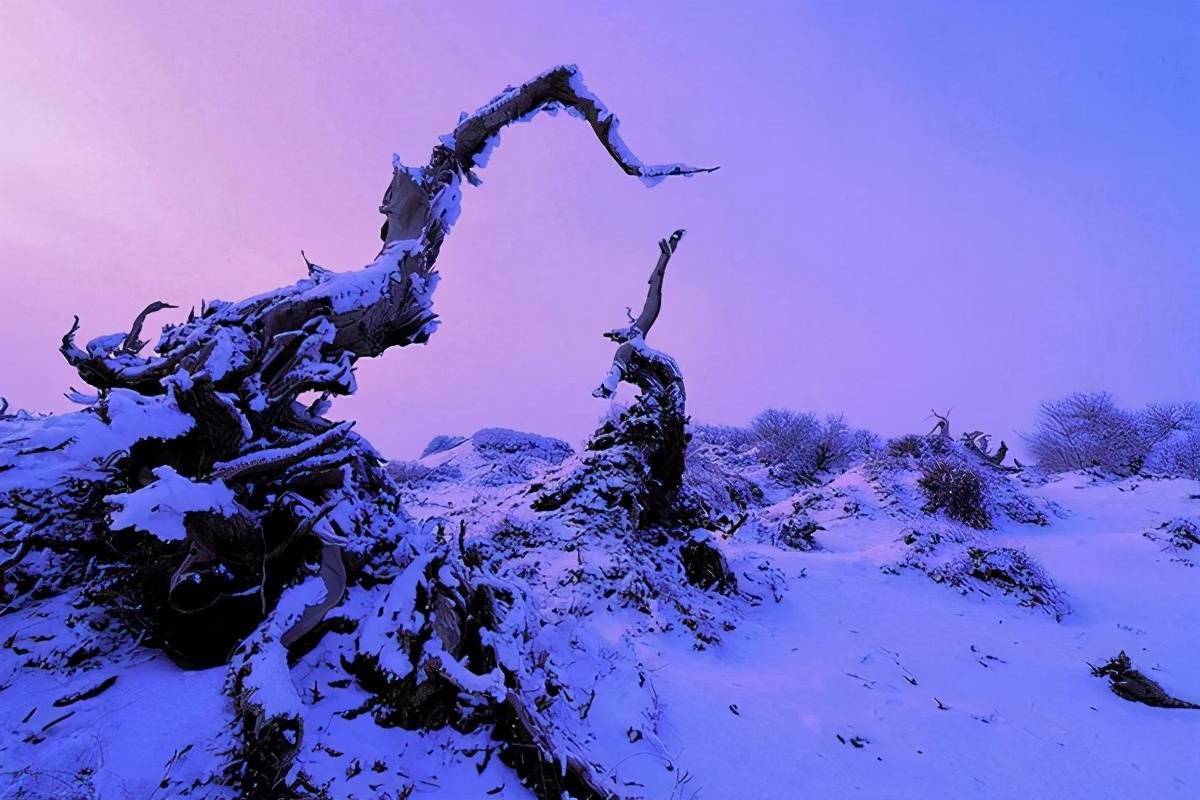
731	437
717	482
957	489
1088	430
1178	457
801	446
908	446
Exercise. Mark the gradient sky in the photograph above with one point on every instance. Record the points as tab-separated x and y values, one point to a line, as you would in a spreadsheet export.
968	204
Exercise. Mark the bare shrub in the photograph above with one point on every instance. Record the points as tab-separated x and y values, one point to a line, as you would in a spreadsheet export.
1087	430
908	446
957	489
799	446
1177	457
730	437
1012	571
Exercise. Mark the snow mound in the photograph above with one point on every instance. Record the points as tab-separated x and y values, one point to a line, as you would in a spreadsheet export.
964	559
489	457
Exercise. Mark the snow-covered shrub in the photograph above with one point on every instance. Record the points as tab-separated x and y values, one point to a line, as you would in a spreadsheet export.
729	437
958	557
705	565
1088	430
799	446
721	487
908	446
1177	457
1180	536
798	533
956	488
1004	494
913	446
1009	569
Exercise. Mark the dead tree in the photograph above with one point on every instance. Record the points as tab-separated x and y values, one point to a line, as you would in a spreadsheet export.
234	514
280	485
634	361
979	443
641	451
941	428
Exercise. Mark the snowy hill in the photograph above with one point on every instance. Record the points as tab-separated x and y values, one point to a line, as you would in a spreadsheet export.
861	647
489	457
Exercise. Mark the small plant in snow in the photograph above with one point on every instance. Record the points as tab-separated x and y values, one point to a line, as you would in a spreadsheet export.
908	446
798	533
1180	536
958	490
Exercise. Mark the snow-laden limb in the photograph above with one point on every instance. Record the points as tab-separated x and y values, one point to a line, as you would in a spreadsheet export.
276	458
265	700
560	87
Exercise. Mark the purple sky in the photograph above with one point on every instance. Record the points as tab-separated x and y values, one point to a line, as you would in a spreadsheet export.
977	205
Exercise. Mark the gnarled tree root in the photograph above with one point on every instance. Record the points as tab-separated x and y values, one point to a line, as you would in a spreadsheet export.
451	646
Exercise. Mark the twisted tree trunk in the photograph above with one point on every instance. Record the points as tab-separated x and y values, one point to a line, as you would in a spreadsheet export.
638	457
237	514
287	475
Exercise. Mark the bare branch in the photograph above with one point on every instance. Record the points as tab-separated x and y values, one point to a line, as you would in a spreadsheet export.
132	344
561	86
276	458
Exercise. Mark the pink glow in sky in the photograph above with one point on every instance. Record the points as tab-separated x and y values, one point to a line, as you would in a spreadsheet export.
920	204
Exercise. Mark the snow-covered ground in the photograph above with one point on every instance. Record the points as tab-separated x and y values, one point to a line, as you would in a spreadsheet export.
951	695
865	678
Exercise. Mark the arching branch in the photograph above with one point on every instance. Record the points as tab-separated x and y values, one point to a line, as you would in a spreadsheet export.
562	86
